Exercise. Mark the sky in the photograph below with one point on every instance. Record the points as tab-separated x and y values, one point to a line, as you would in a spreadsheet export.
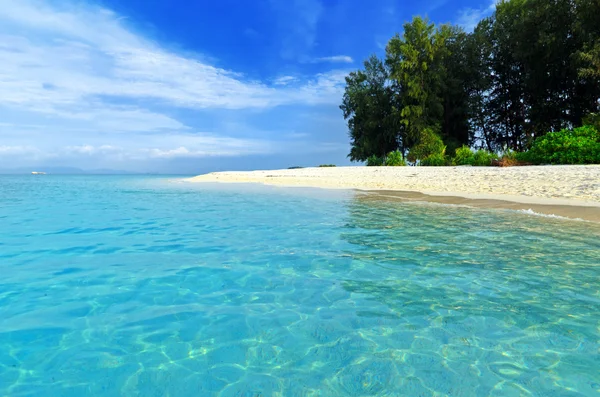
181	86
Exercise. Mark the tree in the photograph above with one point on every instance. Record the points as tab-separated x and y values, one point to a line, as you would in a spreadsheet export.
478	50
368	108
531	68
413	63
427	65
458	76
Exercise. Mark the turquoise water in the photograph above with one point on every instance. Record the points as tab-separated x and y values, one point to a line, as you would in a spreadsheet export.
145	286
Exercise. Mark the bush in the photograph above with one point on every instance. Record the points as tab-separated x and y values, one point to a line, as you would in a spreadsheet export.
593	119
464	156
326	165
395	159
429	144
483	158
578	146
435	160
510	158
374	161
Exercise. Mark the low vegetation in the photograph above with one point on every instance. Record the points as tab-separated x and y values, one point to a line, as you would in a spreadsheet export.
393	159
568	146
578	146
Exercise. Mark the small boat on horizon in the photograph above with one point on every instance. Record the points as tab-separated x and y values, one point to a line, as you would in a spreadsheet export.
38	173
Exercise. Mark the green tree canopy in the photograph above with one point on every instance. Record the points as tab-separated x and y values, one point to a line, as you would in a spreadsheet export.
532	67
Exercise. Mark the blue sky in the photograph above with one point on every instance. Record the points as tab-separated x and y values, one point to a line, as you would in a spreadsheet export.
183	86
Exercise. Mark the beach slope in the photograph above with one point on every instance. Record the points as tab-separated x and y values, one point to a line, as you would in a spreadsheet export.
550	186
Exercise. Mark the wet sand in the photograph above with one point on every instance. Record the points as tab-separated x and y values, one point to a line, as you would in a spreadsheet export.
587	213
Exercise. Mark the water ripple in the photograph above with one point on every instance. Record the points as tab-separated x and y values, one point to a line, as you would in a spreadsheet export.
122	286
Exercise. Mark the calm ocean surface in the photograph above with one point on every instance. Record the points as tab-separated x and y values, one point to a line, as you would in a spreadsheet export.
147	286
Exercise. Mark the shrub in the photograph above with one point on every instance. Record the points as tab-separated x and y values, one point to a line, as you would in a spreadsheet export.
464	156
510	158
578	146
435	160
395	159
429	144
326	165
593	119
483	158
374	161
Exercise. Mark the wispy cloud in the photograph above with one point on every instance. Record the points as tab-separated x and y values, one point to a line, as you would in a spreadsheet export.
468	18
79	54
335	59
18	150
285	80
298	22
91	83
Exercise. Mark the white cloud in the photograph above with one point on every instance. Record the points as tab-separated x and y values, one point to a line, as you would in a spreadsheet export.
83	149
18	150
205	145
469	17
75	80
92	150
336	59
11	153
194	146
284	80
81	54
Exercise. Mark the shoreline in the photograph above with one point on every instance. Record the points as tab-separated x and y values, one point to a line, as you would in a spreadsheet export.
566	191
575	211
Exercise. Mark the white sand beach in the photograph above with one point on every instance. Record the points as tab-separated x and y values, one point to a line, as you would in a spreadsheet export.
568	185
571	191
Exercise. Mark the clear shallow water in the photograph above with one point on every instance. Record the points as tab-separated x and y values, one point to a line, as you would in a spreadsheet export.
123	286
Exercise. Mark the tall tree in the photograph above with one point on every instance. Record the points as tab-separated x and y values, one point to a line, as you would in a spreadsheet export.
530	68
458	77
414	64
587	28
478	50
368	108
427	64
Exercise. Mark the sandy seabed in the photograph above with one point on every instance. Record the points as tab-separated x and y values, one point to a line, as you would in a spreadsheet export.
572	191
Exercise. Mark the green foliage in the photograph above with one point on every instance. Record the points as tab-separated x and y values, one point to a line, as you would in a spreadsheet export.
374	161
414	58
296	167
368	107
523	157
510	155
395	159
435	160
429	144
532	66
578	146
592	119
510	158
464	156
483	158
326	165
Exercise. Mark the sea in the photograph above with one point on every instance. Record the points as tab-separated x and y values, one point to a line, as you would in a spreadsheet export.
155	286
